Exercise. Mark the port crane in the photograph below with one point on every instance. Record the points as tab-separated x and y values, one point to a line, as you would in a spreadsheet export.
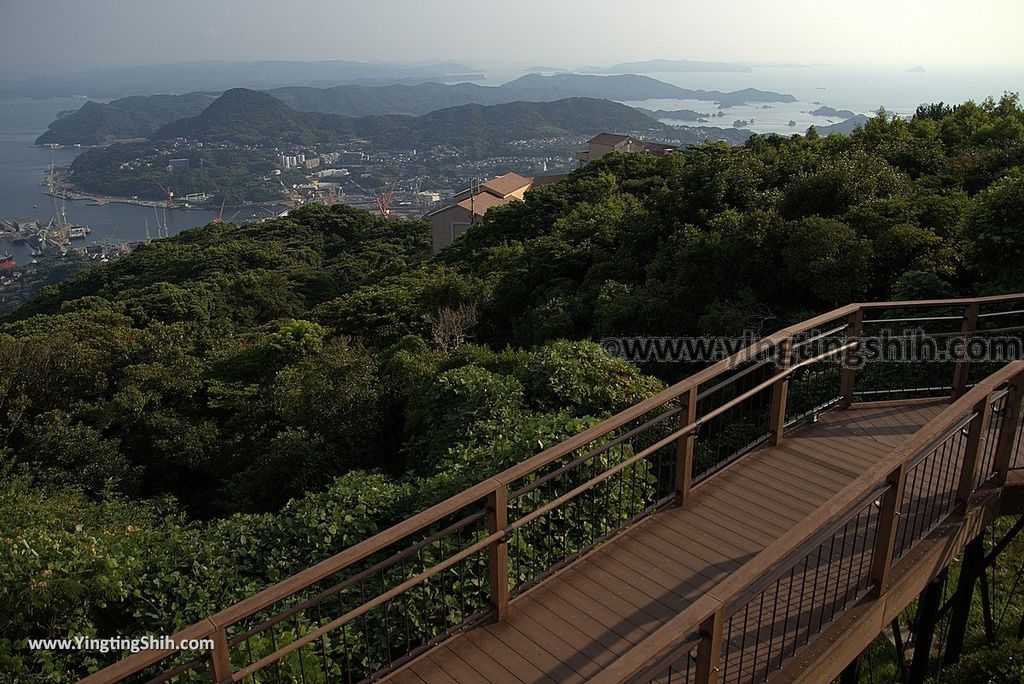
220	213
170	196
384	198
294	197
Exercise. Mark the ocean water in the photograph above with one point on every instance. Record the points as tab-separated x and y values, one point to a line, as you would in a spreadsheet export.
861	90
22	166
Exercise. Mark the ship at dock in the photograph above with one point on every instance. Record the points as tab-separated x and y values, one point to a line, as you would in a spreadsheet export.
7	262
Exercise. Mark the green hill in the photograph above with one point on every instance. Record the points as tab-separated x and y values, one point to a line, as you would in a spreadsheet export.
131	117
250	117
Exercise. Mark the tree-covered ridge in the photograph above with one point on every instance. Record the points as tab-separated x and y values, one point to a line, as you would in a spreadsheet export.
250	117
138	169
140	116
96	123
158	413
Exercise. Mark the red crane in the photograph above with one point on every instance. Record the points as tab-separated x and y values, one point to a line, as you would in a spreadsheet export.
220	214
170	196
384	198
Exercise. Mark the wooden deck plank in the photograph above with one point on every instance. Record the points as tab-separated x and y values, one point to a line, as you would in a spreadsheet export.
500	652
579	620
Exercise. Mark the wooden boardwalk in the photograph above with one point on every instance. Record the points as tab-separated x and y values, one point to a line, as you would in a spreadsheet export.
577	622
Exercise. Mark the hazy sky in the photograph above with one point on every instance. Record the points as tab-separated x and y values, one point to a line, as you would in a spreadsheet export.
44	35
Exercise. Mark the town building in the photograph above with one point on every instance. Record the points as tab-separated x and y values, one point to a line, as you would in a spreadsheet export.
178	165
606	143
470	205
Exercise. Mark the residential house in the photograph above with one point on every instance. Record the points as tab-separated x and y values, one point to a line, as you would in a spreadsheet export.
470	205
606	143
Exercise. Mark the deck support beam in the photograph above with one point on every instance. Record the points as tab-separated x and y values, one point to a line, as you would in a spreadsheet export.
971	567
927	615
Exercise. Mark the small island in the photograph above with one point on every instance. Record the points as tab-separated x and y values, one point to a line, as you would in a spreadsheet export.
917	70
825	110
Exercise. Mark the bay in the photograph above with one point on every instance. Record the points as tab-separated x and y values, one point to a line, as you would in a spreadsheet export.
22	167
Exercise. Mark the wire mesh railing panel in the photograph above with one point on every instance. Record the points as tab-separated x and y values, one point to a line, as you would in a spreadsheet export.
375	616
739	429
816	386
998	340
905	354
931	488
182	668
557	515
762	633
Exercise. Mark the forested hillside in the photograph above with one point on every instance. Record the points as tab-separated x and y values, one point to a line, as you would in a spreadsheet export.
138	117
251	117
220	409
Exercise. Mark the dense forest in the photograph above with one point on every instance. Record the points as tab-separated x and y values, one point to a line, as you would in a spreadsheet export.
223	408
138	169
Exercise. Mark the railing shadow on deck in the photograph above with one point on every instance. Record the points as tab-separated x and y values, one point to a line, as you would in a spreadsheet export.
379	604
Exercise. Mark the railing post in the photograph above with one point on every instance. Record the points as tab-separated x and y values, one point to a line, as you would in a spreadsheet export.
497	553
963	364
220	658
709	651
885	536
780	393
685	447
972	452
848	378
1008	429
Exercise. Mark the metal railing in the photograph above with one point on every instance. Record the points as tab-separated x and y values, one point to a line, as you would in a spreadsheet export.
374	606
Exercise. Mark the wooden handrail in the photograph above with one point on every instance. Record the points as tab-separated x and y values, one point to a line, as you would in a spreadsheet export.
486	493
938	303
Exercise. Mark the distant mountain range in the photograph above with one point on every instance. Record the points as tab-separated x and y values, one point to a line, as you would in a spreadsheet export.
220	75
655	66
138	117
251	117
